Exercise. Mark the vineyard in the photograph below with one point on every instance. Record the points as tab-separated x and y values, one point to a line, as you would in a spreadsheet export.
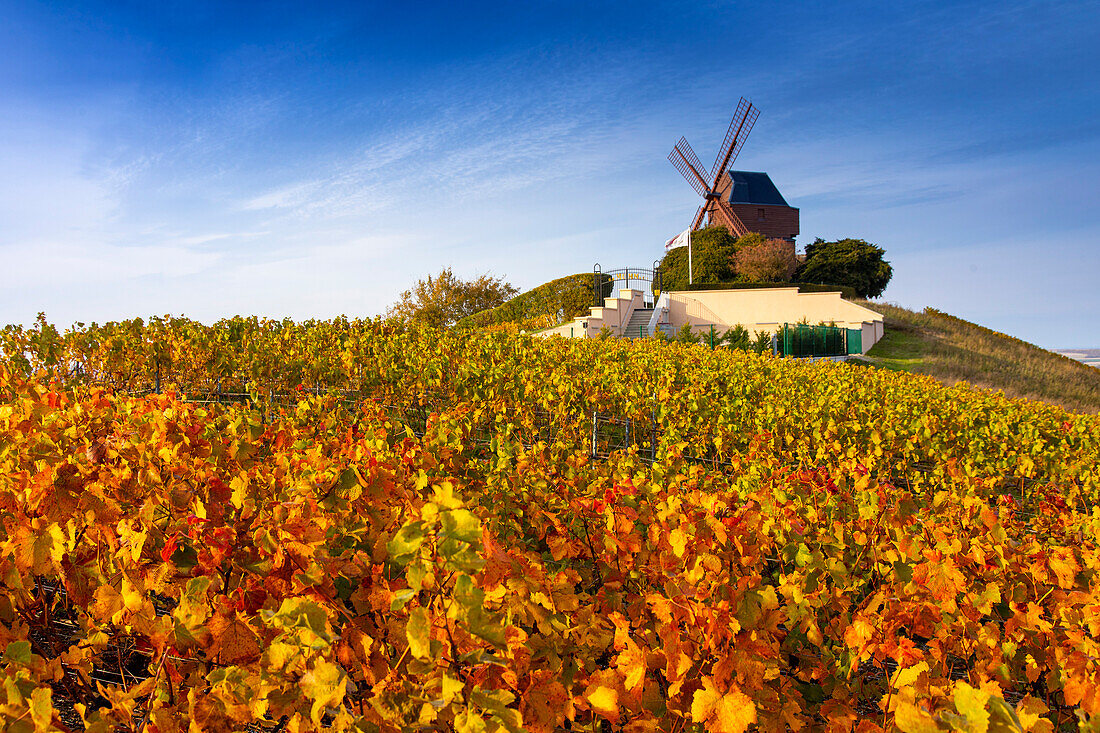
349	525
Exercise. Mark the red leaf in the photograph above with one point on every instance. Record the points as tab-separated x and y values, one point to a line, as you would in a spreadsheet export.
170	547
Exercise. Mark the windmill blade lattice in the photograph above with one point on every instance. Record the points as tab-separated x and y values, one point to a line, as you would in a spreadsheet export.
740	127
733	221
685	160
689	154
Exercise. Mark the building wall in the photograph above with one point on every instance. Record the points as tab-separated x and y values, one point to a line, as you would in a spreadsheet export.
767	309
757	309
780	222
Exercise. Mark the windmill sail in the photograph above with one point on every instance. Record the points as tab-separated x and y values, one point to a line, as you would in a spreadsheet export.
687	162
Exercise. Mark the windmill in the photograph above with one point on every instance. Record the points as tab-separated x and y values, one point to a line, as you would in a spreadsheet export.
714	188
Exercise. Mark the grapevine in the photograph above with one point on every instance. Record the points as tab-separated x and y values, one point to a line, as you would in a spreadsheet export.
223	527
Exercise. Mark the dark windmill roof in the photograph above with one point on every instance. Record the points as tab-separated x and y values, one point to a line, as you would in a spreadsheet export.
754	188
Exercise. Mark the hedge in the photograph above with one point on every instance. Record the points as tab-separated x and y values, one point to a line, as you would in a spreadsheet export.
846	292
558	301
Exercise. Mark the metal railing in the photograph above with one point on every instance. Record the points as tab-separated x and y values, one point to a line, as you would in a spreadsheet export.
604	282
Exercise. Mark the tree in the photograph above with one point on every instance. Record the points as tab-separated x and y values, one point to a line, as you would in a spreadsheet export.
852	262
444	299
712	251
767	261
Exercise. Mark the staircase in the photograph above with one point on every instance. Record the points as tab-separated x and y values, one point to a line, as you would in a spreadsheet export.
624	305
638	325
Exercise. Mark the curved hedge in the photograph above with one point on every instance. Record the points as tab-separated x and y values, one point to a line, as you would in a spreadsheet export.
549	304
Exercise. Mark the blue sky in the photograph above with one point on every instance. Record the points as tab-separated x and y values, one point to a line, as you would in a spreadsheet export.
308	160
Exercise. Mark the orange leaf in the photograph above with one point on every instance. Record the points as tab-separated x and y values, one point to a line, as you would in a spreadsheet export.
544	703
232	642
1064	566
858	634
631	663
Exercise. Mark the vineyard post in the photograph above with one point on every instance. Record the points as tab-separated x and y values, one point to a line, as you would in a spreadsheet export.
156	364
712	337
653	432
593	433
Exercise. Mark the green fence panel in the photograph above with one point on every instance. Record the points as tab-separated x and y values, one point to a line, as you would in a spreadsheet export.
801	340
855	341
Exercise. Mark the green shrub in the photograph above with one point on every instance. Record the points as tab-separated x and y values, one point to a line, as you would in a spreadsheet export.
737	338
686	335
852	262
846	292
712	251
763	343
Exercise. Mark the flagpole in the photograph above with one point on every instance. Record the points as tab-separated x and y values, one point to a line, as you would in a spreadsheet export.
690	280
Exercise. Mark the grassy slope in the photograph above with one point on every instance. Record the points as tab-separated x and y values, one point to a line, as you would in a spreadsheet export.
951	350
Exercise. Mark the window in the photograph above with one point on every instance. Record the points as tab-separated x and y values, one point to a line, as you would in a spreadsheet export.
760	215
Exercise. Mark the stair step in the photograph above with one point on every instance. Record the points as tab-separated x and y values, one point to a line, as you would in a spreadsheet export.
639	322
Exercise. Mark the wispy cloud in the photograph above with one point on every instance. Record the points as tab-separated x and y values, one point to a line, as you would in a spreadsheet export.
219	237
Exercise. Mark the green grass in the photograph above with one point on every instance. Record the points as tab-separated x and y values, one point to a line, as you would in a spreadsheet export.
953	350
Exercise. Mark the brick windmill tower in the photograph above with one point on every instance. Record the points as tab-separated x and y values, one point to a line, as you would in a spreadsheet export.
742	201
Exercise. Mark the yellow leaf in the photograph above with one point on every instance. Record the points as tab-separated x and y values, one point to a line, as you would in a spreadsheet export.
133	597
444	496
1030	711
108	602
604	700
911	719
41	708
729	712
735	713
909	675
468	722
419	633
193	609
1002	718
971	703
451	687
41	549
678	539
324	684
233	642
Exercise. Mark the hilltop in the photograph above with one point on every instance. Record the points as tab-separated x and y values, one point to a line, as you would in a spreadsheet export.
952	350
928	342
